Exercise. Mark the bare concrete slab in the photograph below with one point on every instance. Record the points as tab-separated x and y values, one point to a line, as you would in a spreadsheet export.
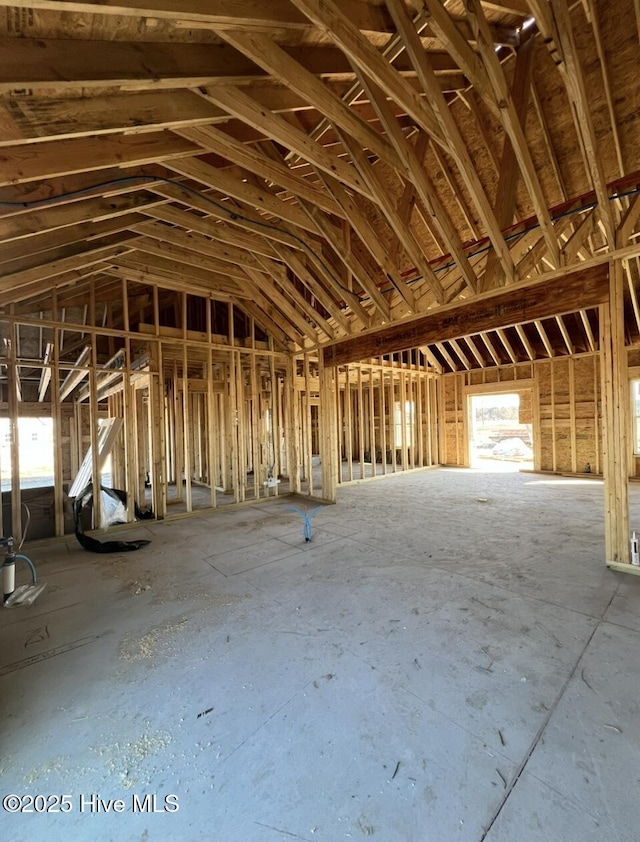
448	658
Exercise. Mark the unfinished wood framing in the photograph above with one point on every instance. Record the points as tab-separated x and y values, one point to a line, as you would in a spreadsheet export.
232	235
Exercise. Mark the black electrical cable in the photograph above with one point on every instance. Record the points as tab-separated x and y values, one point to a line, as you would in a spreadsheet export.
231	214
234	215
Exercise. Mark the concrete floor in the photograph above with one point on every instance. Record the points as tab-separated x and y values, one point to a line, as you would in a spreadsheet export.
448	659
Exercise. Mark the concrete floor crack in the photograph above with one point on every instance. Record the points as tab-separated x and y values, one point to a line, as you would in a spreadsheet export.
516	777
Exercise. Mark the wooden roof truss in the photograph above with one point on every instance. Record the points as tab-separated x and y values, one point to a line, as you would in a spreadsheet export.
326	168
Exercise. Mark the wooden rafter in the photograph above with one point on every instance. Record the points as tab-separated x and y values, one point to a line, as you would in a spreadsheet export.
177	271
511	123
488	344
349	259
47	244
593	16
184	255
193	241
265	282
417	174
228	185
526	344
628	222
46	220
242	219
278	275
306	277
254	161
505	204
209	227
584	318
559	32
214	14
82	258
328	17
369	238
460	49
451	133
239	105
178	281
34	162
401	230
583	229
453	365
565	334
455	345
474	350
266	53
504	339
549	147
542	333
455	192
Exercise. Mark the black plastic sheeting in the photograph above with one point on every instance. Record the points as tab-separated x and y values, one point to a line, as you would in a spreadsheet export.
83	499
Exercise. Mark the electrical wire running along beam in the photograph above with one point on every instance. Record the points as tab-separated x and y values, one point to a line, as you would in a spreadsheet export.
231	214
624	187
523	302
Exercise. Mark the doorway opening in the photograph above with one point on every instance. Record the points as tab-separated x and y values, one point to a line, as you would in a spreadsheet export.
500	432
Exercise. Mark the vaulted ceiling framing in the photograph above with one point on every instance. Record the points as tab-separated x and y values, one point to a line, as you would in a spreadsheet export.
327	167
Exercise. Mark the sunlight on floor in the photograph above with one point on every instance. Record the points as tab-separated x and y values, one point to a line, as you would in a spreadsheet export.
565	482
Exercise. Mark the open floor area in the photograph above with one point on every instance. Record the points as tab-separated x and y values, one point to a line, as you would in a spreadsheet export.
447	658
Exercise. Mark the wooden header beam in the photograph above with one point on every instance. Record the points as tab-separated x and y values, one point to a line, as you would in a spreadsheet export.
522	303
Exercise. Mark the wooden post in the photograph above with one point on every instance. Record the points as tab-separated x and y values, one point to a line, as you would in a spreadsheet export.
94	414
615	405
186	429
458	411
341	415
372	424
292	425
308	426
255	422
226	429
241	479
160	444
276	419
537	421
572	415
141	451
429	416
234	421
554	459
403	418
178	433
57	439
383	418
211	425
467	424
128	400
328	430
360	422
392	415
16	499
420	384
348	413
439	414
596	410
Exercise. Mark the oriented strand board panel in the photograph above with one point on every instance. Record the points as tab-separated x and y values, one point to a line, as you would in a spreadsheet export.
569	408
526	407
453	419
570	433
